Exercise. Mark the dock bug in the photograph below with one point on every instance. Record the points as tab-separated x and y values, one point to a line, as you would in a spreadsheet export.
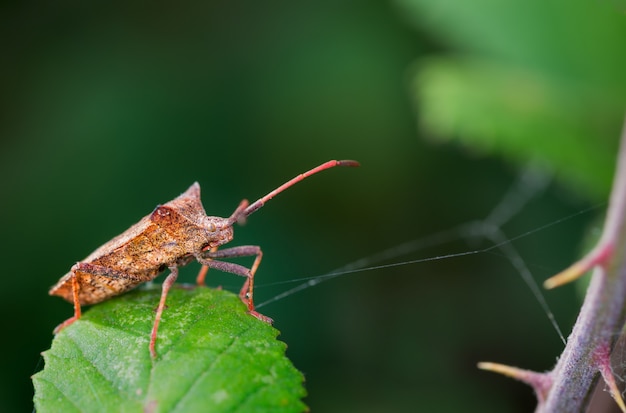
173	235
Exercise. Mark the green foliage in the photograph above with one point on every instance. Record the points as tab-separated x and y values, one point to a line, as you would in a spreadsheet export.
534	81
212	357
500	109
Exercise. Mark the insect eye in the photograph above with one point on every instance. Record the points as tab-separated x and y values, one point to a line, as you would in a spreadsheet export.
212	227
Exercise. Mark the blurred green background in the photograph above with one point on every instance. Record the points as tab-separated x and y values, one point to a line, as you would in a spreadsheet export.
110	108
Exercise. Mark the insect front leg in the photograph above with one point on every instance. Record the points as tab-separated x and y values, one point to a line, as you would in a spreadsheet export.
167	284
203	271
208	258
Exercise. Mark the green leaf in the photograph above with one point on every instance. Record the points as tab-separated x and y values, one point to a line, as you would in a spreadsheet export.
212	356
528	81
579	41
509	111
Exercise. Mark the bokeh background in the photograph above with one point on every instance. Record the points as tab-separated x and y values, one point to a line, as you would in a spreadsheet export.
107	109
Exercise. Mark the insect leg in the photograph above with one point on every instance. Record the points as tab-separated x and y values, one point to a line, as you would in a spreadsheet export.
247	291
203	271
77	312
167	284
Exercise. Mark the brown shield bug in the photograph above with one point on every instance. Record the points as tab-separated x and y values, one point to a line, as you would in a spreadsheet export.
173	235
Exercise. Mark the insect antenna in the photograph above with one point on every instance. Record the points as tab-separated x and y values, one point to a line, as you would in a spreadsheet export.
326	165
239	214
245	209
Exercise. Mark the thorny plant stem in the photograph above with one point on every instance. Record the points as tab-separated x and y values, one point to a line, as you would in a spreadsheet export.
602	315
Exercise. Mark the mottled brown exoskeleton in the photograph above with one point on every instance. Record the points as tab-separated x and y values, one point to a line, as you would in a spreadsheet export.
173	235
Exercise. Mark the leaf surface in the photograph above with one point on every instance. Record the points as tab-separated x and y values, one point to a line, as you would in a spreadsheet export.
212	356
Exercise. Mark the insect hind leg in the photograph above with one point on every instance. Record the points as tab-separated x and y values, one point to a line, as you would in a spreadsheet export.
77	309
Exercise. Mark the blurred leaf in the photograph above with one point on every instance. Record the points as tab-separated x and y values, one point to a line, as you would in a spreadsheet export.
536	81
212	357
578	40
501	109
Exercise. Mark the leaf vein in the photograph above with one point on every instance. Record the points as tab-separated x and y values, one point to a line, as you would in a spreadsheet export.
205	372
62	392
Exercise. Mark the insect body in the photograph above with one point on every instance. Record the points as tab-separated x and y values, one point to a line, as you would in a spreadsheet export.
173	235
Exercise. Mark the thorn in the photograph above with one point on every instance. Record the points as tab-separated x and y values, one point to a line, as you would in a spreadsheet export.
603	359
540	382
568	275
598	256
